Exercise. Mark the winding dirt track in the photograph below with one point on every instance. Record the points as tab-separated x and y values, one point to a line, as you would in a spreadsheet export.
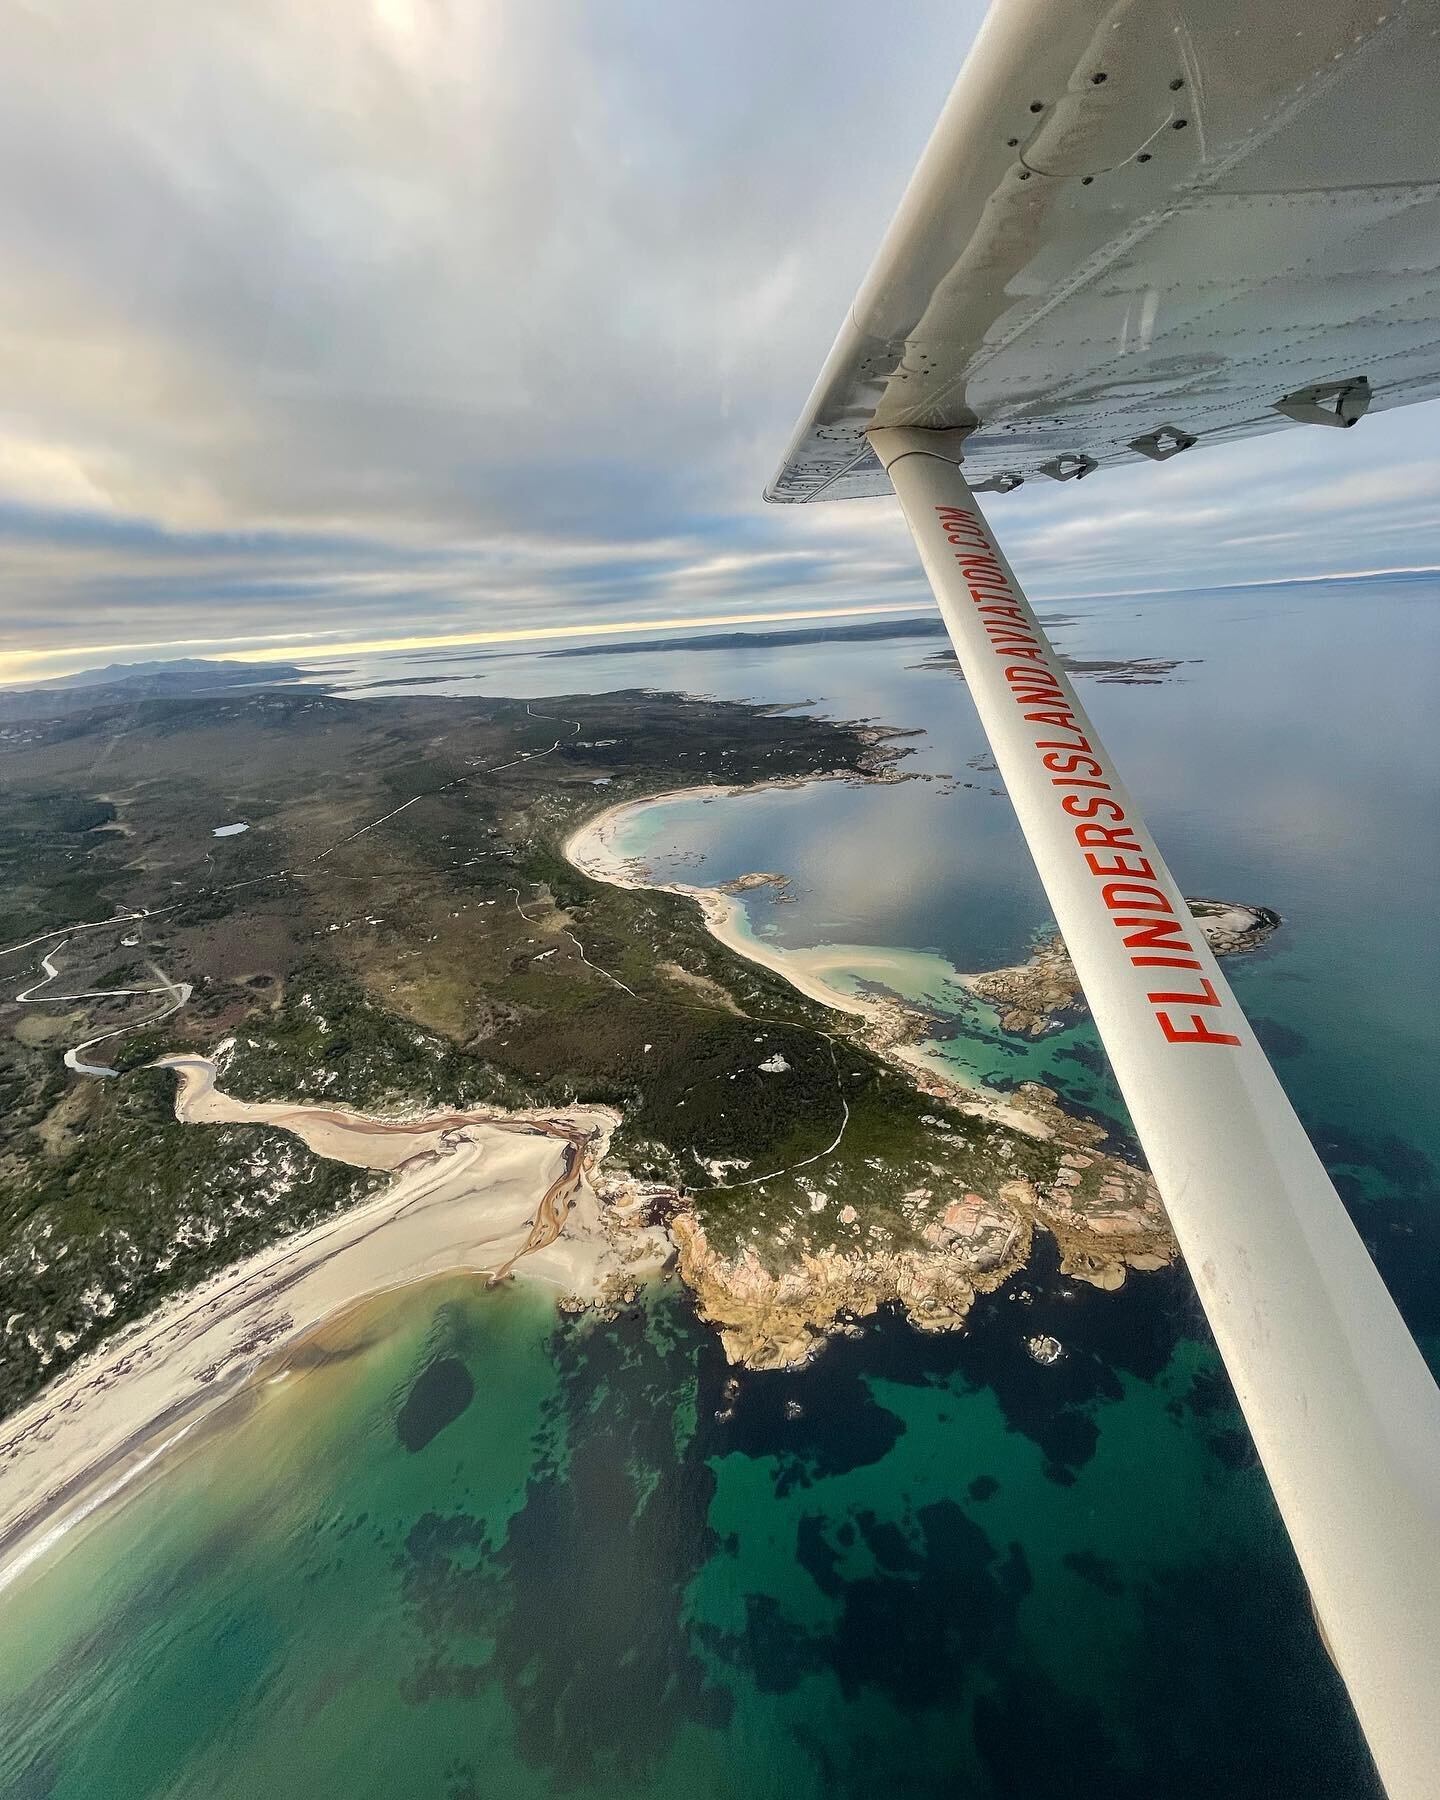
179	992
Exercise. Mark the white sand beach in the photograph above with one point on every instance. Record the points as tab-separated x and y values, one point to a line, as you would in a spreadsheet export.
469	1192
594	849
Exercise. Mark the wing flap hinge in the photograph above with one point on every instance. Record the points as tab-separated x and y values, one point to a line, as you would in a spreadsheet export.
1328	402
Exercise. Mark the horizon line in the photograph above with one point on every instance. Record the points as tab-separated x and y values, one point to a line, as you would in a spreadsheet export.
282	648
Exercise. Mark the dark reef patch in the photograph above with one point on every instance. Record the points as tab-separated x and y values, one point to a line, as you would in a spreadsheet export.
1036	1739
441	1392
913	1614
1209	1393
1099	1571
1235	1449
1195	1619
1395	1159
575	1607
844	1427
841	1425
888	1544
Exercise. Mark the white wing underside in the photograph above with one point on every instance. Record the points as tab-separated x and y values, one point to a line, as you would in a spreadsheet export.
1246	206
1143	225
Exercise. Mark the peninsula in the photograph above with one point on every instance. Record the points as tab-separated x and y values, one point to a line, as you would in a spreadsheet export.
418	1017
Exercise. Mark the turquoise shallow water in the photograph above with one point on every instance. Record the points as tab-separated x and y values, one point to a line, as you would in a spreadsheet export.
953	1573
468	1550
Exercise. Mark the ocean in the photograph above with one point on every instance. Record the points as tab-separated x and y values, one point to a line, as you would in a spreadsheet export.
463	1547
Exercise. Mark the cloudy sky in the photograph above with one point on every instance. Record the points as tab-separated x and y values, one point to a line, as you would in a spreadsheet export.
354	320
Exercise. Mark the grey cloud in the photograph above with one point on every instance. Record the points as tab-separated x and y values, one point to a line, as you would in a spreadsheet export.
412	314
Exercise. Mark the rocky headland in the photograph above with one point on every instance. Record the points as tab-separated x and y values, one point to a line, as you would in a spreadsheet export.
779	1312
966	1225
1044	993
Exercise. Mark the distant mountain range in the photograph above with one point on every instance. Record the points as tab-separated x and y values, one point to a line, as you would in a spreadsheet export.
138	681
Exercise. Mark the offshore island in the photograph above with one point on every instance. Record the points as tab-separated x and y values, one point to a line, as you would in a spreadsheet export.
422	1016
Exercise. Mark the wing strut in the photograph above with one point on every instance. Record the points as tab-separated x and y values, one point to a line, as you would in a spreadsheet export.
1342	1408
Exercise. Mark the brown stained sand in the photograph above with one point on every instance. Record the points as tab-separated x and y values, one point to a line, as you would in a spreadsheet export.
469	1191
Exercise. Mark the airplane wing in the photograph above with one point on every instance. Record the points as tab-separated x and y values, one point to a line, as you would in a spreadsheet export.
1142	217
1143	225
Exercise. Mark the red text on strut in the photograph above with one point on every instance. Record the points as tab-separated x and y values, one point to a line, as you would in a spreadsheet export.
1155	935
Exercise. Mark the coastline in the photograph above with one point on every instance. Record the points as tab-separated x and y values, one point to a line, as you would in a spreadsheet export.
1104	1214
462	1199
1043	992
591	849
471	1193
889	1025
464	1192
